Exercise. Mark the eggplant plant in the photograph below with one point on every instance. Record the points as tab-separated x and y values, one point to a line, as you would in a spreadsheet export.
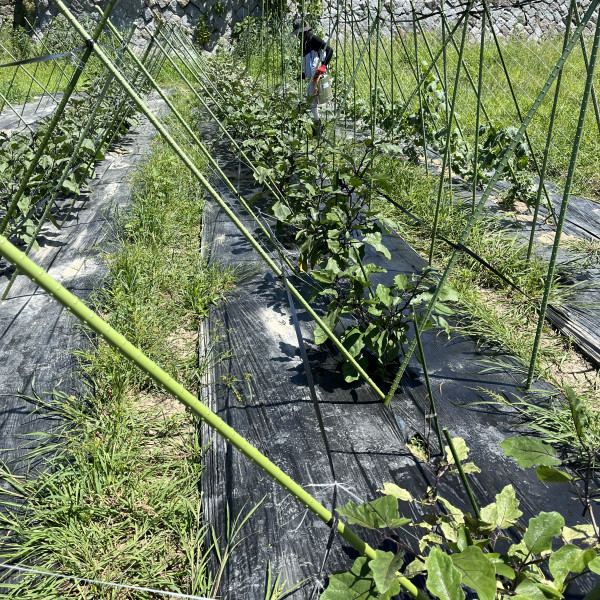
324	202
18	150
492	553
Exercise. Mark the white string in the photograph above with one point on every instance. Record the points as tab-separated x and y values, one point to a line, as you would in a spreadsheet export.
96	582
327	487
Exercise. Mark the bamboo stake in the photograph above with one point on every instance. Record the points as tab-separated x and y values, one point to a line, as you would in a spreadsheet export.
434	413
478	116
78	308
446	161
91	45
538	198
418	78
516	103
215	196
375	98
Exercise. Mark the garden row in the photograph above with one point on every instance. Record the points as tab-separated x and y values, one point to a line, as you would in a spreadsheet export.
324	200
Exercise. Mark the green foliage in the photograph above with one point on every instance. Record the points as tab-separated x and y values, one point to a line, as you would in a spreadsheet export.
443	578
219	8
496	140
115	496
324	202
384	569
357	583
427	127
541	530
21	43
68	158
496	555
382	512
530	452
203	30
505	511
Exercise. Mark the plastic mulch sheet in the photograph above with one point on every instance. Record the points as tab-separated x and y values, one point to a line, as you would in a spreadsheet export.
258	385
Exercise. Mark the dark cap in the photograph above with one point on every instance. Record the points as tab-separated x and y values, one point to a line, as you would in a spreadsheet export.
300	26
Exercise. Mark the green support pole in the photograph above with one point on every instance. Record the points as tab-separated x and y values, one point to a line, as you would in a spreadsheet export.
376	86
517	107
450	119
586	62
564	205
65	173
418	79
434	414
214	195
202	147
538	198
487	193
478	115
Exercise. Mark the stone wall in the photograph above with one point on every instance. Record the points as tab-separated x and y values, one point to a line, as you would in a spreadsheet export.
534	19
7	10
206	17
214	19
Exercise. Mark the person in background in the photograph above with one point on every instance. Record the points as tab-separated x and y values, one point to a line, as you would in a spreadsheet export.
312	66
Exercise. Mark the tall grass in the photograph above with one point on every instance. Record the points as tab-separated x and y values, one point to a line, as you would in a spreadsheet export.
500	317
529	64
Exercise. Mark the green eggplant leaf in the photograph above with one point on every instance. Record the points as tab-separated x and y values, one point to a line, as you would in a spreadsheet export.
477	571
378	514
541	530
384	569
530	452
505	511
374	240
358	583
443	578
391	489
569	559
281	211
552	475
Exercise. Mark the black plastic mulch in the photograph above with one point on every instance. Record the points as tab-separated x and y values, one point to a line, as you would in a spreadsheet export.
37	335
258	386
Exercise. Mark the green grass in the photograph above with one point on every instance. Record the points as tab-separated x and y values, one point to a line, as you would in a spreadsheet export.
26	82
117	497
529	64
